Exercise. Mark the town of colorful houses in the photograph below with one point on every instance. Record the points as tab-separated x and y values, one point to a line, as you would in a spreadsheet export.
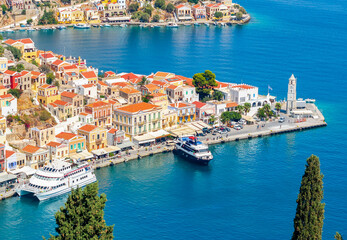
94	115
117	11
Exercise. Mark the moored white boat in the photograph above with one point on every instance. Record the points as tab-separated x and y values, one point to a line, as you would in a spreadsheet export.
56	179
172	25
81	26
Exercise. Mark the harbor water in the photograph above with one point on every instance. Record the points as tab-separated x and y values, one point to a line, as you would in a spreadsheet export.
250	188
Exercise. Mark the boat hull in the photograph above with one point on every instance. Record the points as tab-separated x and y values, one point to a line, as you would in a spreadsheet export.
191	158
51	194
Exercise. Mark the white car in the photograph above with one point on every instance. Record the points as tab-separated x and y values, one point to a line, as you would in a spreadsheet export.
281	120
237	127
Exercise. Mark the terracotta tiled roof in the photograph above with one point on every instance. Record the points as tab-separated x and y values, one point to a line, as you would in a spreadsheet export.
158	94
231	104
159	83
98	104
47	55
129	76
9	72
88	85
109	73
199	104
89	74
26	40
87	128
47	86
129	90
70	67
164	74
112	130
9	153
121	84
134	108
84	114
66	135
53	144
102	83
60	102
178	105
57	62
244	86
152	87
68	94
2	86
6	96
30	149
173	87
10	41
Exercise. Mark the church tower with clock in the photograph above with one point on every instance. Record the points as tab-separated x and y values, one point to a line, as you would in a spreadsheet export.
291	96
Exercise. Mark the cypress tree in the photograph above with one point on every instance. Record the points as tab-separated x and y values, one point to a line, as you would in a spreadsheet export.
83	216
308	221
338	236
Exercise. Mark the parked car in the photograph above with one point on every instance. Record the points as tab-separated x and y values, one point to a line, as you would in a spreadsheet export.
237	127
242	121
281	120
228	129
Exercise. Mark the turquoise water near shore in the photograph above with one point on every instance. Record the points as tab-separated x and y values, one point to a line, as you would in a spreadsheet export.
249	190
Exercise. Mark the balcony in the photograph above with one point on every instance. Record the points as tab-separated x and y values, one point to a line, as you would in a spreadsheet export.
98	141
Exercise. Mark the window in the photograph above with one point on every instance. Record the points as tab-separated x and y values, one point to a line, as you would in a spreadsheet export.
71	146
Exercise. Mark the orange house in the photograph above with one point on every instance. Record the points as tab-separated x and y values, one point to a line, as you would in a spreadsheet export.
74	142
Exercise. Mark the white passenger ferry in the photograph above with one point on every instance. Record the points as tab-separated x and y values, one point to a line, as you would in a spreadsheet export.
57	178
193	150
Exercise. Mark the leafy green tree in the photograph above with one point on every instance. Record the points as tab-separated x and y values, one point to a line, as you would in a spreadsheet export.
247	108
1	37
4	9
147	98
170	7
144	17
133	7
212	119
239	15
50	78
143	81
193	1
278	107
235	116
15	51
15	92
308	221
48	18
204	82
261	113
34	62
225	117
267	109
156	18
82	217
237	6
160	4
20	67
241	9
148	9
2	50
24	12
338	236
217	95
218	15
239	108
29	21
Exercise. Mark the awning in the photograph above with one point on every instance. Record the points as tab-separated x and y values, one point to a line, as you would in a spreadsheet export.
111	19
5	177
125	144
248	118
183	131
103	151
146	138
81	156
26	169
159	134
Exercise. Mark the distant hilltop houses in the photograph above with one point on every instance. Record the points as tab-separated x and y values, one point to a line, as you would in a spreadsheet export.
74	110
121	11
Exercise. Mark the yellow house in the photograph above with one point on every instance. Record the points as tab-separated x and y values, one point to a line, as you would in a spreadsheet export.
3	126
96	137
65	16
77	16
92	15
47	94
169	118
104	2
26	46
74	142
3	64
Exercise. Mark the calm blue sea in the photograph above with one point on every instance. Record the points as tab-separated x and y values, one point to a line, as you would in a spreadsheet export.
249	191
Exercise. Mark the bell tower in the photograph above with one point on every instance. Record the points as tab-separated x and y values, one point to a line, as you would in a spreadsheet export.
291	95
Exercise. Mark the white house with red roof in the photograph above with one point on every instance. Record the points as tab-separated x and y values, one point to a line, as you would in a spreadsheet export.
184	12
3	64
109	74
8	105
204	111
115	136
47	58
199	12
185	111
91	76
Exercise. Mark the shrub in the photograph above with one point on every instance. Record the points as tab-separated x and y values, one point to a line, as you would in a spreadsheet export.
48	18
156	18
218	15
148	9
144	17
15	51
170	8
45	115
15	92
160	4
50	78
133	7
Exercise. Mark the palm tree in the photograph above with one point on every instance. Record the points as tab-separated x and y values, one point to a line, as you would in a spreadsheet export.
278	107
212	119
239	108
143	81
247	108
